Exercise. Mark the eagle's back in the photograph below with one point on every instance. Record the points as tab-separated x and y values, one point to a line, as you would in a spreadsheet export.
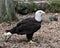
28	26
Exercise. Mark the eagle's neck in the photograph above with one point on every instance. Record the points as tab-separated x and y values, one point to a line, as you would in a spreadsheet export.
38	17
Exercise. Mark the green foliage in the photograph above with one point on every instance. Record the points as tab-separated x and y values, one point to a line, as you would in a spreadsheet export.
25	8
5	17
57	1
22	8
33	7
53	6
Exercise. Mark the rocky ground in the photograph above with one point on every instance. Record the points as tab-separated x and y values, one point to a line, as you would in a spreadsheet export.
47	37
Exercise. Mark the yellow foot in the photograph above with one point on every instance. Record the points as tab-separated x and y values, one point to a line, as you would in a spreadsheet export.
31	41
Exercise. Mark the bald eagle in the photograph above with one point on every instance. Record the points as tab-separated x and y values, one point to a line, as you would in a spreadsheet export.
27	26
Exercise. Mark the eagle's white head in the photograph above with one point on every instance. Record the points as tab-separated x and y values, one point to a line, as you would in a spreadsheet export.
38	15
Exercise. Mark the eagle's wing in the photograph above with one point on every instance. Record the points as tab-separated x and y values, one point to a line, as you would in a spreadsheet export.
23	21
29	26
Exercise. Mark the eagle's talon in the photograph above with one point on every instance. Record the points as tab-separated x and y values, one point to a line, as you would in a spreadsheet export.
31	42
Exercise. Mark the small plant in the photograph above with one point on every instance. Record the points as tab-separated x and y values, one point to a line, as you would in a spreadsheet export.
6	38
54	17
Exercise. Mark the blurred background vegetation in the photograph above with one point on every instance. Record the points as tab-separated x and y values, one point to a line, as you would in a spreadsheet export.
25	8
9	10
53	6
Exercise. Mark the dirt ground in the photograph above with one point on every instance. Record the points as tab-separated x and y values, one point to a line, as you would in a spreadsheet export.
47	37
